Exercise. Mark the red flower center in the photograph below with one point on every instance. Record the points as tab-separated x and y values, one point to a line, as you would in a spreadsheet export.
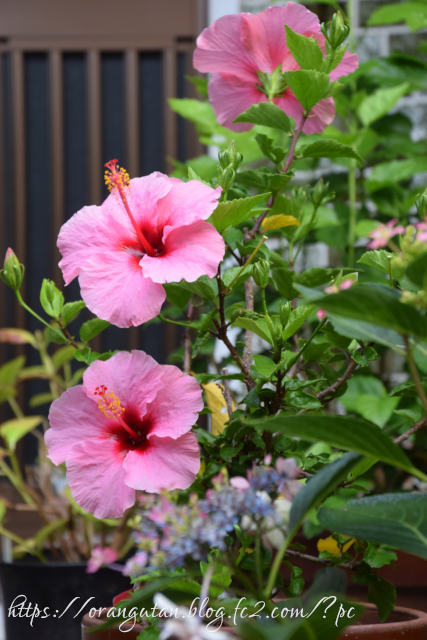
140	429
127	428
117	179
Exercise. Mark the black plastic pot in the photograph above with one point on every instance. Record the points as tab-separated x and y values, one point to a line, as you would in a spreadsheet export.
47	601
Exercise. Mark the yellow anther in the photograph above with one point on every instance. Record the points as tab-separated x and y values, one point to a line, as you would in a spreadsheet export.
115	177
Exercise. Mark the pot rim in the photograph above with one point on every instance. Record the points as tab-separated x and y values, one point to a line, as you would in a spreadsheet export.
419	621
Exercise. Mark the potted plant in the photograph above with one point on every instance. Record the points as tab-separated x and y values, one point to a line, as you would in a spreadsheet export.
307	429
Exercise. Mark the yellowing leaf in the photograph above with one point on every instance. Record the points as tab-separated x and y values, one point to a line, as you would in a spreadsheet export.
279	221
331	545
217	406
13	430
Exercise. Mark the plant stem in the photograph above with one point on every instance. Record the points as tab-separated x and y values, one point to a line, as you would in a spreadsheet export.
304	347
276	566
352	221
247	263
415	427
333	388
414	373
291	154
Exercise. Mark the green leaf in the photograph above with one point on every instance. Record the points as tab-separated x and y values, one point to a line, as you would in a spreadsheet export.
305	50
264	179
397	520
377	104
367	332
268	115
309	86
204	287
366	396
319	487
9	373
329	148
379	258
40	399
382	593
377	557
235	212
416	271
63	355
413	13
252	321
264	366
377	305
345	432
71	311
296	319
266	144
388	173
51	298
88	356
92	328
13	430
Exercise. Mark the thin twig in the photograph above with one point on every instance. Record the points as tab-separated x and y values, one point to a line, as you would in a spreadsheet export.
329	392
416	427
249	305
221	328
227	394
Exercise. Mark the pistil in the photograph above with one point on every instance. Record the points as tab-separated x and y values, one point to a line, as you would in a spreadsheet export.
117	178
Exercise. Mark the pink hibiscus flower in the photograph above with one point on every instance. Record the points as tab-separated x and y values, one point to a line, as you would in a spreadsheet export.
125	428
148	231
421	228
334	288
383	233
236	47
100	556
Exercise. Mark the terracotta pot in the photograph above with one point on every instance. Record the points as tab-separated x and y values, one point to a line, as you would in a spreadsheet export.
403	624
89	625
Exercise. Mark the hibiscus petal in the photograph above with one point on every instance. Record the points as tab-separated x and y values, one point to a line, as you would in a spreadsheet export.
174	413
115	289
220	47
347	65
265	37
96	476
73	418
230	96
321	115
134	377
187	202
166	464
144	194
78	237
189	252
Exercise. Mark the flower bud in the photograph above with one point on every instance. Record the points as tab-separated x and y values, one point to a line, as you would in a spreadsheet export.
284	312
51	299
230	157
261	273
226	178
336	31
321	193
13	271
421	205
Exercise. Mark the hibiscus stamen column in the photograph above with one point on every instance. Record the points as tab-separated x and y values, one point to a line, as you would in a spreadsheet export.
109	404
118	178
